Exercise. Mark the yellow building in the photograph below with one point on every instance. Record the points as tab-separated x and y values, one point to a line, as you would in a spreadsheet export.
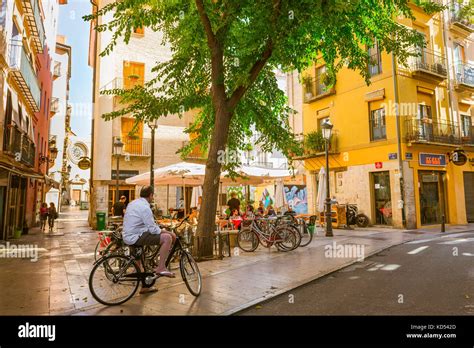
395	141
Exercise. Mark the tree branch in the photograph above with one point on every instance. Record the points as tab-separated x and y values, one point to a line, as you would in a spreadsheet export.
259	64
211	38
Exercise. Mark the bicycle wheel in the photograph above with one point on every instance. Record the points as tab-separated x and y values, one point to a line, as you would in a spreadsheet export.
114	280
97	251
286	239
190	273
247	240
306	235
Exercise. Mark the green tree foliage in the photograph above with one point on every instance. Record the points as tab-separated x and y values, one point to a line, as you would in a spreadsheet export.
226	52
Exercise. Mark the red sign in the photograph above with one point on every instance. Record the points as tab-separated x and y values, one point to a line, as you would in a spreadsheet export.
378	165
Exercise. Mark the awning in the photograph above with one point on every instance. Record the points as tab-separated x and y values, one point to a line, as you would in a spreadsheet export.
23	172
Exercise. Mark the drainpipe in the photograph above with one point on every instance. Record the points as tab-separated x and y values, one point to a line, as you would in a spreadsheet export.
399	140
94	75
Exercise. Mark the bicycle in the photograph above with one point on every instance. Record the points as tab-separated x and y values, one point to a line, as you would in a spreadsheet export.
300	225
262	231
115	278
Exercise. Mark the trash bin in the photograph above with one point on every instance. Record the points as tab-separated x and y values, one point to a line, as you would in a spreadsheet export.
101	221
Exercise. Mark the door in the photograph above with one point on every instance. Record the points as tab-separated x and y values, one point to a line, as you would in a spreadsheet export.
133	74
132	143
432	197
76	195
124	190
382	198
426	122
469	195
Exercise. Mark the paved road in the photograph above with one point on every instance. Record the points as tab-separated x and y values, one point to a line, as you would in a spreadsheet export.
416	278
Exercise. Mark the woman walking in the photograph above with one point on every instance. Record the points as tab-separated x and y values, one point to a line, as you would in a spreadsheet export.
53	214
43	215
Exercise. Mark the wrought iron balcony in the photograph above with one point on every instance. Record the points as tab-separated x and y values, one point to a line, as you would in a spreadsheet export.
464	76
461	18
432	131
54	105
123	83
19	145
467	138
314	89
316	146
428	65
24	74
136	146
57	70
35	23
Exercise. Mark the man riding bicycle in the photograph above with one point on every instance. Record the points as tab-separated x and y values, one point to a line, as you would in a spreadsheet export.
140	229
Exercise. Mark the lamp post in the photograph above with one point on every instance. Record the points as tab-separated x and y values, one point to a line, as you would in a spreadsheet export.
118	147
153	124
326	128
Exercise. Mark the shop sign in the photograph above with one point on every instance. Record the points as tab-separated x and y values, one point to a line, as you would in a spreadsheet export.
378	165
392	156
432	159
430	178
84	163
459	158
408	156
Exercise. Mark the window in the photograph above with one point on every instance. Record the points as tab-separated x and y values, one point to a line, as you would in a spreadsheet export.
377	125
321	88
375	60
466	129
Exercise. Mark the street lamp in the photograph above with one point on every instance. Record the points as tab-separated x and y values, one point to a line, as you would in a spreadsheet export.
326	128
153	124
118	147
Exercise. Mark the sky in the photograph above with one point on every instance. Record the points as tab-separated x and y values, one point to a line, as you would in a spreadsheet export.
76	31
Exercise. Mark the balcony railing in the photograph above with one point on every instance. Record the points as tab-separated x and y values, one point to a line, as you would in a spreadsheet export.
19	145
136	146
123	83
432	131
460	17
268	165
316	148
428	64
35	23
314	88
464	75
467	138
54	105
24	74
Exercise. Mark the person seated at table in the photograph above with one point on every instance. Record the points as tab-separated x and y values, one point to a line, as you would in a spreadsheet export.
236	219
271	211
261	209
249	212
192	217
290	211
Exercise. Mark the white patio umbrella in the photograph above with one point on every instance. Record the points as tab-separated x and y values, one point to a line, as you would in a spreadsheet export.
280	196
321	197
197	191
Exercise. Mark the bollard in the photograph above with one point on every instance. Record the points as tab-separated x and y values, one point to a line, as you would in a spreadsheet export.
443	223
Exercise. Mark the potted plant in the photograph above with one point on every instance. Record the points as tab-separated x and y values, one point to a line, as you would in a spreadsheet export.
314	142
133	77
308	86
17	233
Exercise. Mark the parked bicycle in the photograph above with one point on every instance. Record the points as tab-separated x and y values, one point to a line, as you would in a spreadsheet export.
267	232
115	278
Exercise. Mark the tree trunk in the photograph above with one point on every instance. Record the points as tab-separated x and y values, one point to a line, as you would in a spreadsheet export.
207	215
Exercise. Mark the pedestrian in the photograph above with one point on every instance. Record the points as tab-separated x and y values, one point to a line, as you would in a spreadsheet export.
261	209
233	203
119	207
43	215
52	215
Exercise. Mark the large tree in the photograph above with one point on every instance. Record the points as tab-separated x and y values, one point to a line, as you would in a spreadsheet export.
224	57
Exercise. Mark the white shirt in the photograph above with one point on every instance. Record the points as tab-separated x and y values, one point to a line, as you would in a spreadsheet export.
138	219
